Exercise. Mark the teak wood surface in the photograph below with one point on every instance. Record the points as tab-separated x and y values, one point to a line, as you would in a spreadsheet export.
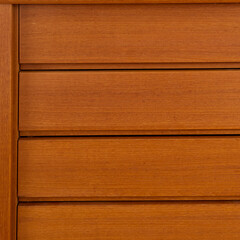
161	33
113	1
121	221
8	121
129	167
129	101
120	34
128	66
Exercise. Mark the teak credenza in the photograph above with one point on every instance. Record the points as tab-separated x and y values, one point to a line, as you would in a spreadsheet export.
119	119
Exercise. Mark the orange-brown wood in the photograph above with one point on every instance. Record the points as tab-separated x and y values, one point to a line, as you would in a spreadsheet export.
134	167
113	1
79	66
128	132
130	100
8	122
126	199
120	221
164	33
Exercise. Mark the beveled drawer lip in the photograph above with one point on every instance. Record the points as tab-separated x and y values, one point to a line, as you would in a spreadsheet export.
113	1
129	66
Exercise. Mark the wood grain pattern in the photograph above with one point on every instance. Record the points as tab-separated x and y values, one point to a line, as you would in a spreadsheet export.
113	1
134	167
129	133
120	221
126	199
130	33
130	100
82	66
8	121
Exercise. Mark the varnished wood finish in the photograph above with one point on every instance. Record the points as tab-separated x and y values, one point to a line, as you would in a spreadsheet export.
8	127
126	199
128	132
140	167
79	66
130	100
161	33
120	34
120	221
113	1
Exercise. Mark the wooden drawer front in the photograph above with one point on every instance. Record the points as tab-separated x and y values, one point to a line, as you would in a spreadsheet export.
134	167
130	100
121	221
164	33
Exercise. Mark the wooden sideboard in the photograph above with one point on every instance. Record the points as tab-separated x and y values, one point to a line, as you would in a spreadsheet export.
119	119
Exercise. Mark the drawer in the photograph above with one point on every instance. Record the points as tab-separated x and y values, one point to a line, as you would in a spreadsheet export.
129	101
118	221
164	33
129	167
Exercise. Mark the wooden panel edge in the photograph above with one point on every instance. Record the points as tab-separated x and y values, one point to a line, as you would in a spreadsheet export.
112	1
139	66
126	199
8	120
132	133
